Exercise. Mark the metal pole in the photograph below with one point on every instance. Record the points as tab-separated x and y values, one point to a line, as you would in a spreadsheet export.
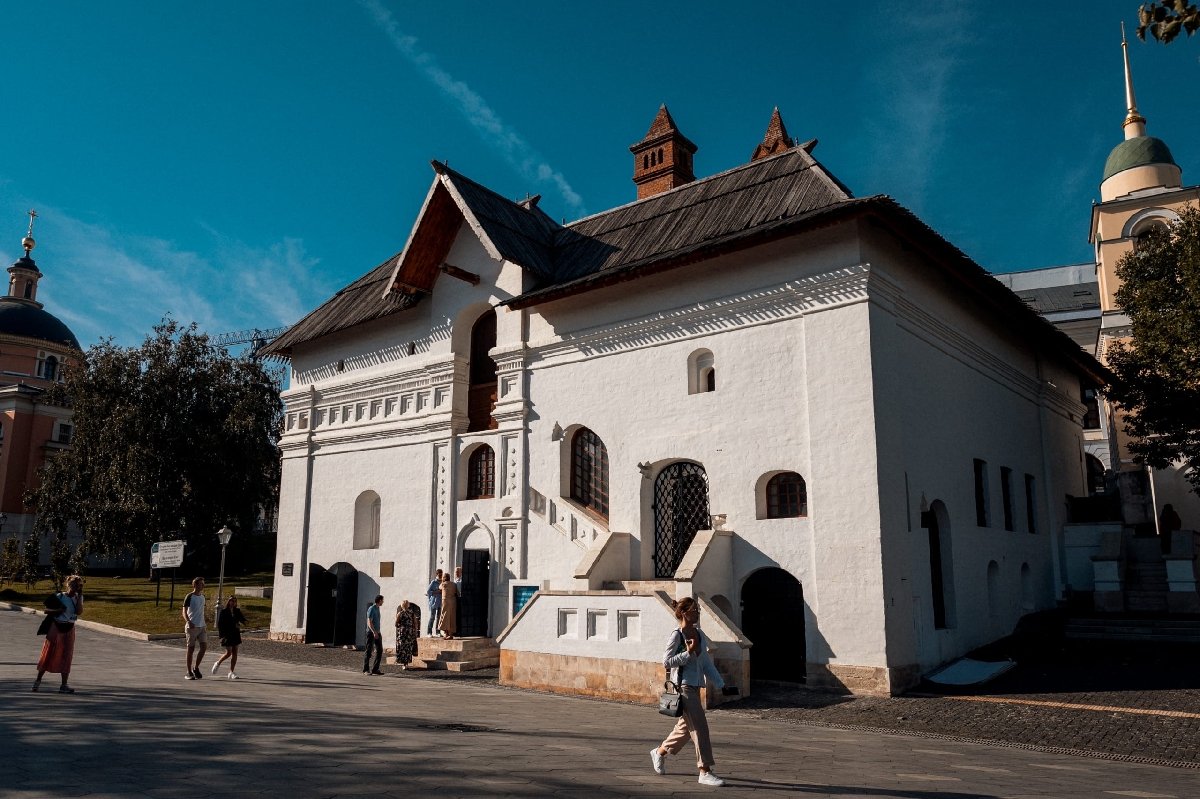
220	585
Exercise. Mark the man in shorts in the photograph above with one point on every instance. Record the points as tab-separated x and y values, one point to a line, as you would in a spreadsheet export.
193	619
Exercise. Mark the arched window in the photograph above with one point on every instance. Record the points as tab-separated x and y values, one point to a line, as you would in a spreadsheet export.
1095	475
702	373
589	471
481	473
1091	404
366	521
481	395
787	496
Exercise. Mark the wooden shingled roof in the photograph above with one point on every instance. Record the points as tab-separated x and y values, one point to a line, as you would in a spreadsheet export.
363	300
767	199
659	228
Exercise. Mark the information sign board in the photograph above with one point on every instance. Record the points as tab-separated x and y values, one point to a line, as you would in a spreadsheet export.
166	555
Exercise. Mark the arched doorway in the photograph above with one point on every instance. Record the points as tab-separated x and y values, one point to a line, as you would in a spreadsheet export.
773	620
476	591
936	521
331	615
680	509
318	614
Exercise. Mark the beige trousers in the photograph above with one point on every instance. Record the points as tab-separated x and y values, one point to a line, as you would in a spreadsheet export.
691	724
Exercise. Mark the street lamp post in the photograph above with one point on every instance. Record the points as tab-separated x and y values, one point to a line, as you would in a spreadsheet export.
223	535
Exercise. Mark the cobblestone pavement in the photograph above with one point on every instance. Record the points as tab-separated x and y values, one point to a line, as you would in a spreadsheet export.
257	645
1091	675
137	729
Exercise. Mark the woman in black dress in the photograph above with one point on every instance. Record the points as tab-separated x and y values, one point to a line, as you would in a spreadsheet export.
408	629
228	619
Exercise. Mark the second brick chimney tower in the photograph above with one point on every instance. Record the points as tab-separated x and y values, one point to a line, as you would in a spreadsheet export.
663	159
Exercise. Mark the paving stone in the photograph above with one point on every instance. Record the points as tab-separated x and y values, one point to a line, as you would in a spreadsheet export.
299	729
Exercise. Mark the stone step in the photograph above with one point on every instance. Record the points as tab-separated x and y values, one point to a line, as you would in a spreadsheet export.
431	647
643	586
1191	624
1146	601
457	654
433	664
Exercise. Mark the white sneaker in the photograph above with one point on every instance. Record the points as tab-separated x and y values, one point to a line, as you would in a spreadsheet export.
216	666
233	676
708	778
656	760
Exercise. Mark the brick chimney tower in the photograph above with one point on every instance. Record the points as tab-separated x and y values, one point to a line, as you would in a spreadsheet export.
775	140
663	159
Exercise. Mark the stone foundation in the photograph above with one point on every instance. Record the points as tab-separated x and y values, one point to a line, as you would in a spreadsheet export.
858	680
608	678
291	638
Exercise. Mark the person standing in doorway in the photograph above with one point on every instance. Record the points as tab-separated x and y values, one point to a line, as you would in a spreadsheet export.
374	637
687	660
434	596
1168	523
59	648
228	619
448	621
458	594
194	631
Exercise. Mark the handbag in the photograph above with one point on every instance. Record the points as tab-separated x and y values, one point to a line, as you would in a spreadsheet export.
670	701
54	606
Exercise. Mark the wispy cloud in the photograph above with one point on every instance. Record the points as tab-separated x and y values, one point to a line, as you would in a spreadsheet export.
510	144
915	94
104	282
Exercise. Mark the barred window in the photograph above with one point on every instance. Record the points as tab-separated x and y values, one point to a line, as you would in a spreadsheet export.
481	473
589	471
787	496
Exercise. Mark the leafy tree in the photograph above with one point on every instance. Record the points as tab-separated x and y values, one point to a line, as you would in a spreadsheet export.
1165	19
1157	376
172	439
31	553
10	560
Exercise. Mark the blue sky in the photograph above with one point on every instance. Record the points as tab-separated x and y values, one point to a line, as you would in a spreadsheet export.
235	164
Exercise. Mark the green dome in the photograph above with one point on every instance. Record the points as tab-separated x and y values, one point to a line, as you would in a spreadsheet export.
1139	151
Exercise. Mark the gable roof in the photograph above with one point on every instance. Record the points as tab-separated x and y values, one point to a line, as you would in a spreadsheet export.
765	200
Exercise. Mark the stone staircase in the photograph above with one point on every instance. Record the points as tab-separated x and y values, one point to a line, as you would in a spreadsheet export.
1176	631
641	586
459	654
1145	577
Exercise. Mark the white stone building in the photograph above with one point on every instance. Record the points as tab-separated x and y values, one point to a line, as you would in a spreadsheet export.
881	434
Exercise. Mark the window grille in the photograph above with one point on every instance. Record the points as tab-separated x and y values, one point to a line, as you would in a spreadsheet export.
589	471
481	473
680	510
787	496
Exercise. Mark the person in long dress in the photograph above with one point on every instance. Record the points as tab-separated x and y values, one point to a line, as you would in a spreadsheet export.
448	621
59	648
408	630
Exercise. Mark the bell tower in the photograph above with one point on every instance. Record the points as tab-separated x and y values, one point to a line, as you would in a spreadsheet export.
662	160
24	274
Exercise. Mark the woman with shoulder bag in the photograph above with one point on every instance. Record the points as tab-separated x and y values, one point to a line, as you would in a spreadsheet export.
59	649
687	654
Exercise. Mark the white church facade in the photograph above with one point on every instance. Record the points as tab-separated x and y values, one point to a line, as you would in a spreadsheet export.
809	410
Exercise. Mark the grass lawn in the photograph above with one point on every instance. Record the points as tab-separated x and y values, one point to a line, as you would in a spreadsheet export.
129	601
